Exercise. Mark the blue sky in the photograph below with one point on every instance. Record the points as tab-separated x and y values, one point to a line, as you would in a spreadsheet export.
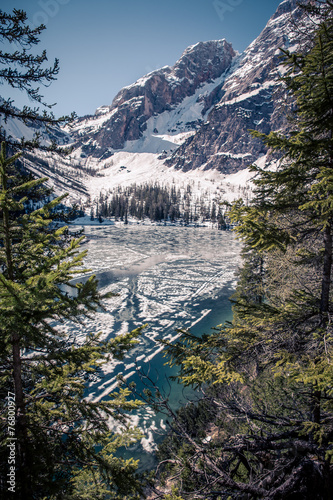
105	45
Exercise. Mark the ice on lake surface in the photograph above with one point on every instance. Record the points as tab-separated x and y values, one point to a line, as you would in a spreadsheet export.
168	277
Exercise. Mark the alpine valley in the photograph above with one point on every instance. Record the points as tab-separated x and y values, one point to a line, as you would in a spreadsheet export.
185	125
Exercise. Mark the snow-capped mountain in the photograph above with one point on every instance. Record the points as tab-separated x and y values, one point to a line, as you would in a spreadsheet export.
171	98
182	124
250	98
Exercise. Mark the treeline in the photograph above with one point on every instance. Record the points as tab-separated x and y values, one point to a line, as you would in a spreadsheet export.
158	203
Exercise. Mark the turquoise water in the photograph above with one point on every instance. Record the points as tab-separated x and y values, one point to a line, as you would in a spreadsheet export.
168	277
175	392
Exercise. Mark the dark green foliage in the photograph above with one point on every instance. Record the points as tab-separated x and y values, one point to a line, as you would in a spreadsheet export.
23	70
63	444
261	379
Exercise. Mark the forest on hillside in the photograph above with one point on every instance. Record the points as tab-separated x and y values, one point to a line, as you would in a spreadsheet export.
160	204
263	428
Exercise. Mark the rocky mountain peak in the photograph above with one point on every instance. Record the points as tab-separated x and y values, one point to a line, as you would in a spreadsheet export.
204	60
250	98
159	91
192	116
285	7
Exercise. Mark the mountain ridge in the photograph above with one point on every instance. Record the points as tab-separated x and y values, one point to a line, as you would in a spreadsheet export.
159	91
183	123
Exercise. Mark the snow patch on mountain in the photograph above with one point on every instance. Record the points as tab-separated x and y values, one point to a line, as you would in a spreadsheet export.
91	124
248	95
125	169
17	129
167	130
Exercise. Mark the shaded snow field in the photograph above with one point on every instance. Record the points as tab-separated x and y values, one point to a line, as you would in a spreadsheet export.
168	277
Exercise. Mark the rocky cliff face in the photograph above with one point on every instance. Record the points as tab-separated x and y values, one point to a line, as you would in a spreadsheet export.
159	91
250	98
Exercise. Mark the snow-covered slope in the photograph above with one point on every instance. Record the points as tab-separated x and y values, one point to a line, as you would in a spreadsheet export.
183	124
16	129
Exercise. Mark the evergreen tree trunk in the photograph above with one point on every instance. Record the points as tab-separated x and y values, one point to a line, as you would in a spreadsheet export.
20	421
62	441
324	305
327	266
327	270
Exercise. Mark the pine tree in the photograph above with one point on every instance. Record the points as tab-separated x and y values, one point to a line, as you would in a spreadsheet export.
60	441
23	70
301	188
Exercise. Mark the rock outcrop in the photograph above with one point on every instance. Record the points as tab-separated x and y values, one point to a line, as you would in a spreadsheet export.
159	91
250	98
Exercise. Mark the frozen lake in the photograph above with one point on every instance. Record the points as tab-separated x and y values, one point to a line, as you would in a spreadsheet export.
168	277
